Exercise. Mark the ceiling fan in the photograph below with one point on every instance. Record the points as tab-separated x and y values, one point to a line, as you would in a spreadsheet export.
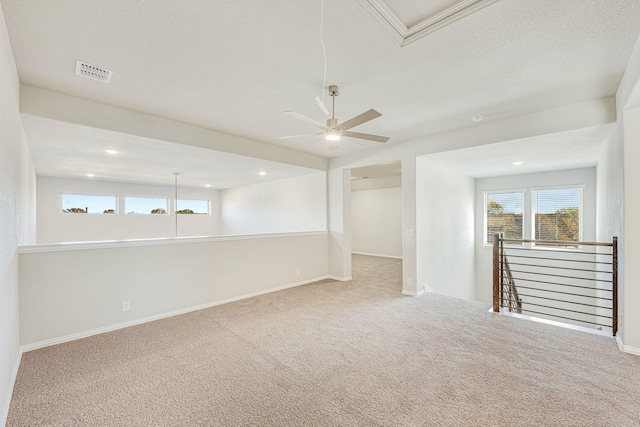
333	131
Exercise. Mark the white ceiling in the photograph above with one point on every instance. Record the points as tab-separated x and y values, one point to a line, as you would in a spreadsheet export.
564	150
236	66
380	170
68	150
411	12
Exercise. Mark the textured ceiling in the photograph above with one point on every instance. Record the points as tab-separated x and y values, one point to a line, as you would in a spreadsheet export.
410	12
564	150
236	66
409	20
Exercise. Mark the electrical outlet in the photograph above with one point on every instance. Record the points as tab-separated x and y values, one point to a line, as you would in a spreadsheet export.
409	233
297	272
126	305
409	281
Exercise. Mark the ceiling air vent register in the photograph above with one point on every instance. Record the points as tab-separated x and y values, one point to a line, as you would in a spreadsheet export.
91	71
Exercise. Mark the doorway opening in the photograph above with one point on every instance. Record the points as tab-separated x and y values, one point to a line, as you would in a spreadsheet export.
376	212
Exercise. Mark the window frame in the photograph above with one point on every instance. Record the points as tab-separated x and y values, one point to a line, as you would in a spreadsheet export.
533	190
485	194
114	196
167	207
208	202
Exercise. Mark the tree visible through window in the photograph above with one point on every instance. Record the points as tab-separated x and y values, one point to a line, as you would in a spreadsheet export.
504	215
146	205
88	203
192	207
557	214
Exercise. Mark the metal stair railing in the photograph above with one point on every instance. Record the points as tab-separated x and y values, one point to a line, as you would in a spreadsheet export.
577	284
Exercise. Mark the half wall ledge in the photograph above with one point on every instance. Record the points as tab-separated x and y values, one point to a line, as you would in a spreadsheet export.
159	241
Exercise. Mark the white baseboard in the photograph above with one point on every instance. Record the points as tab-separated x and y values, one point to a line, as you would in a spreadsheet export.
340	279
114	327
627	348
378	255
411	293
12	382
555	323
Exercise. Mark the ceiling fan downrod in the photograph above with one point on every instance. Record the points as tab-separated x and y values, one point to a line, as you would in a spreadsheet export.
333	123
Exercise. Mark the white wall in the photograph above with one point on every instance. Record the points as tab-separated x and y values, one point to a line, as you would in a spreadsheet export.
609	178
631	226
610	203
577	116
17	215
445	230
339	223
376	222
55	226
281	206
74	290
572	177
622	157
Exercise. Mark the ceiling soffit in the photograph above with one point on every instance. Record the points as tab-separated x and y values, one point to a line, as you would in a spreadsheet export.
407	29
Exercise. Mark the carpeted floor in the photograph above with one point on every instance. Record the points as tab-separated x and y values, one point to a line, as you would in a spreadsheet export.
333	354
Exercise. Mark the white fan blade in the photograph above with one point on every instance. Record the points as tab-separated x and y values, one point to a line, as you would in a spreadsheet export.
305	119
358	120
376	138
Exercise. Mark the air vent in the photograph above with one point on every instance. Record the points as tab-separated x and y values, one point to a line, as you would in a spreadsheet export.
93	72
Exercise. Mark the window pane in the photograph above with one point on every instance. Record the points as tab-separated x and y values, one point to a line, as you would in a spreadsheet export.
89	203
557	215
145	205
504	215
186	206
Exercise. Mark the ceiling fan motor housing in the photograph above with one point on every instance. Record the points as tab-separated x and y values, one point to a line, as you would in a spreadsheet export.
333	123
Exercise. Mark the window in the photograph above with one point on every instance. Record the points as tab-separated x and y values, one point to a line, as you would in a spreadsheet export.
88	203
198	207
503	214
146	205
554	214
557	215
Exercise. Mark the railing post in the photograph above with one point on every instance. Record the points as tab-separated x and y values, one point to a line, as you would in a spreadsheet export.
614	283
496	272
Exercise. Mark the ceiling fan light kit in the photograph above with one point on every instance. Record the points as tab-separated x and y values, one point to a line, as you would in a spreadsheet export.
332	135
334	130
333	144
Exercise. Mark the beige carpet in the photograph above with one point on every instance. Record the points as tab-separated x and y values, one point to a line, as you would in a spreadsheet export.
333	354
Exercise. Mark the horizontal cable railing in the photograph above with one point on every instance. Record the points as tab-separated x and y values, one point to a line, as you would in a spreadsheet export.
570	282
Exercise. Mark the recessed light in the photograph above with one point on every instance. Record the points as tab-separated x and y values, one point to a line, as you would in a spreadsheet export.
90	175
477	119
111	151
262	173
517	163
207	185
